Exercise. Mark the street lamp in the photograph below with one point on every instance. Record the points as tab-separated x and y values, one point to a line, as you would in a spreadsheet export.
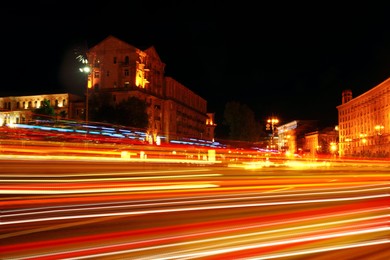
86	70
378	129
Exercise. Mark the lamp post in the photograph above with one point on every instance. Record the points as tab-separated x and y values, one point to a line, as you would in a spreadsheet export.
86	70
378	129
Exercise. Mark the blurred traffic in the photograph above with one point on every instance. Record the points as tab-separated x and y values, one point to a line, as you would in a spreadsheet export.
99	141
86	209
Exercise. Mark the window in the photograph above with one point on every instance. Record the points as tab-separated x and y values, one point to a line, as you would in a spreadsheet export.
97	74
126	72
127	60
114	60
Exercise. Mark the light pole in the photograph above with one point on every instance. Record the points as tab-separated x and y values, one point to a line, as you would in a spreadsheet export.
87	70
378	129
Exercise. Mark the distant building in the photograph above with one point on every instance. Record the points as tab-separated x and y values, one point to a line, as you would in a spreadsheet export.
364	123
291	136
18	109
322	142
125	71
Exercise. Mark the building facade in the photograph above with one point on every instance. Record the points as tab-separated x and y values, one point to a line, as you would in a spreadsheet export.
364	123
123	71
174	111
19	109
291	136
322	143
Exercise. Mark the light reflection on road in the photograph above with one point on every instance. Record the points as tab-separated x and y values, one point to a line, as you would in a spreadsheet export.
181	212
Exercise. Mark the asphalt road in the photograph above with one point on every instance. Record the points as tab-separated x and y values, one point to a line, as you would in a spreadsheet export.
112	209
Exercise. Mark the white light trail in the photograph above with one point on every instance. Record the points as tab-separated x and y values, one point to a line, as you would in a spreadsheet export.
128	213
61	175
106	189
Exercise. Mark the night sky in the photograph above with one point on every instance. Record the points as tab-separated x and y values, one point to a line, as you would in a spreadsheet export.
286	59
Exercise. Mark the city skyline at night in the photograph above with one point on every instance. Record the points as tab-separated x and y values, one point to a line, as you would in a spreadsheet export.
285	62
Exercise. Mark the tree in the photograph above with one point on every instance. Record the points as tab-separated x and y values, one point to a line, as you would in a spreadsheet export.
101	107
63	114
130	112
241	122
45	111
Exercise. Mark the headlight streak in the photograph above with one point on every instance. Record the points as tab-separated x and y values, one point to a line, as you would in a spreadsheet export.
10	190
321	250
319	216
244	215
170	202
128	213
107	190
184	255
164	177
241	196
291	253
98	174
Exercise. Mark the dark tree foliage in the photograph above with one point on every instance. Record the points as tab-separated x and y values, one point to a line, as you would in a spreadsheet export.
130	112
101	107
45	111
241	122
63	114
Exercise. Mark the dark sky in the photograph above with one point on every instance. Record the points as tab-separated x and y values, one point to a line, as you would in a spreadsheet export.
284	59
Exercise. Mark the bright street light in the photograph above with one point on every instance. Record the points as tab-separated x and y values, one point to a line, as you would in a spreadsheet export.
271	123
86	70
379	129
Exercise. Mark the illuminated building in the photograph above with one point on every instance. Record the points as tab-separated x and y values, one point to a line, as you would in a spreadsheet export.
210	125
364	123
291	136
18	109
321	142
271	126
124	71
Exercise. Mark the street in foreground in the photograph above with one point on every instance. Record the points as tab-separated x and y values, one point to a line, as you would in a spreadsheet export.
94	209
